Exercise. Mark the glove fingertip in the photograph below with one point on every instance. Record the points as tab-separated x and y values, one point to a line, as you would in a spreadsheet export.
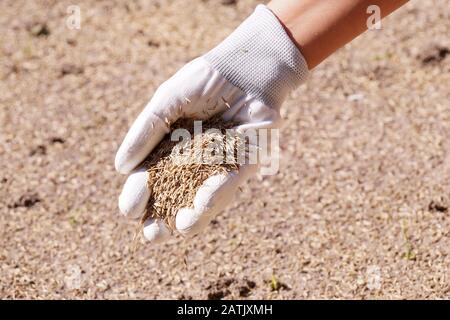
135	194
155	231
189	221
121	164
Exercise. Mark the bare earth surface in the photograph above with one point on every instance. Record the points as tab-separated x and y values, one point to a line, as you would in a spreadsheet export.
360	208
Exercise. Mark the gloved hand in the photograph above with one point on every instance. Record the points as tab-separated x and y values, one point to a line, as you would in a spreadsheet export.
247	77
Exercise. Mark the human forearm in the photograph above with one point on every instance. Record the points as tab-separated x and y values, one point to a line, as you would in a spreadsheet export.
320	27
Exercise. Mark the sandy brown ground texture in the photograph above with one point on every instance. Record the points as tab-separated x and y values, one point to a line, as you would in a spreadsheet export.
360	208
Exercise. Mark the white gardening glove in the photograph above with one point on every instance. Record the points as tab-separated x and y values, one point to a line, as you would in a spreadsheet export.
247	77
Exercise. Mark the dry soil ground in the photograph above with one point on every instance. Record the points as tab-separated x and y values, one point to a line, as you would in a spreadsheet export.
358	210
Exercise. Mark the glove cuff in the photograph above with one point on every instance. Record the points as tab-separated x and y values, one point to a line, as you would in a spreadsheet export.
260	59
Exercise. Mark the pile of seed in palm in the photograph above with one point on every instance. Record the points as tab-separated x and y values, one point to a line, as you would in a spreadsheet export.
175	175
